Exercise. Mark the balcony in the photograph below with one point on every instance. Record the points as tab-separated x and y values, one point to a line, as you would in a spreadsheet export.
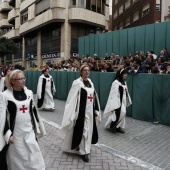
12	3
26	4
13	34
4	7
86	16
49	16
4	23
12	15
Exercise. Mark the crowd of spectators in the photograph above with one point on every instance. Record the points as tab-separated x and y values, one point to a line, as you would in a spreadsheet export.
137	63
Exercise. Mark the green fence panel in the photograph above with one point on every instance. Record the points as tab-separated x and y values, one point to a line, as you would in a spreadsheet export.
129	82
157	97
60	79
92	43
35	81
56	82
81	46
165	119
105	80
167	36
131	40
102	45
160	34
70	78
142	97
109	43
115	42
94	76
149	37
123	50
140	38
87	45
96	45
29	81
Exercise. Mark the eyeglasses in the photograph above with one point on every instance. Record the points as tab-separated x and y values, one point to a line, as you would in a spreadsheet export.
87	70
20	79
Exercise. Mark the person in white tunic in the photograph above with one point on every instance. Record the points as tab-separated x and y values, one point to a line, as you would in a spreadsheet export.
45	91
2	82
81	116
117	102
20	126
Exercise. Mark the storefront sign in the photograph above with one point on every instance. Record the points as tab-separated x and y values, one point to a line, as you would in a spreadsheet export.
51	55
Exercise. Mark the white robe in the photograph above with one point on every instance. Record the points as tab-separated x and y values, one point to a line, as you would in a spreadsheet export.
25	153
2	84
114	103
48	102
71	115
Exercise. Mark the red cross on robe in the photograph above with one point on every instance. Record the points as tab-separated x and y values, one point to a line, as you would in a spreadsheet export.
48	80
90	97
23	109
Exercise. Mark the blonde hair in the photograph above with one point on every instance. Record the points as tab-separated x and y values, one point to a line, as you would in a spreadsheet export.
11	76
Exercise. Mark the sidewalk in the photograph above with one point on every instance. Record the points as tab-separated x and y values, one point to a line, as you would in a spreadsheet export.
143	146
55	159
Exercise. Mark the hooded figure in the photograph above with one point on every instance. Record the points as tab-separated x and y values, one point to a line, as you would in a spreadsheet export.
117	102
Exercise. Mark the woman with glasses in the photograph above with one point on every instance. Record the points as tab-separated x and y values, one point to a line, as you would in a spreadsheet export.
117	102
45	91
20	126
81	116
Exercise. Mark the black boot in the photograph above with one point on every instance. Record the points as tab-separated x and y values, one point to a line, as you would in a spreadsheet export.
85	158
120	130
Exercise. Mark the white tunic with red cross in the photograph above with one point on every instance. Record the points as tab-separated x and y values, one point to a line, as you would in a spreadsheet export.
25	153
85	144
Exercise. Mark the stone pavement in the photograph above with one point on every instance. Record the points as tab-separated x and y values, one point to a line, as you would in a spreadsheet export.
143	146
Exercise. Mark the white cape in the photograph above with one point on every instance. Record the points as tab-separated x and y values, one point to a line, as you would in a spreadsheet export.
114	103
71	114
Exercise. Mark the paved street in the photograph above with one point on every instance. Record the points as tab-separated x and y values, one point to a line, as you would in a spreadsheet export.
143	146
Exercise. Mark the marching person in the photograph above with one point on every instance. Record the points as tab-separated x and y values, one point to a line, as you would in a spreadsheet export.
117	102
2	82
20	126
45	91
81	116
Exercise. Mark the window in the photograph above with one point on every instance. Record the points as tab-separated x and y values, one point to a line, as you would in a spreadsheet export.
145	9
42	6
136	16
121	10
115	15
157	7
127	4
127	21
116	1
24	17
121	25
72	2
81	3
134	1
